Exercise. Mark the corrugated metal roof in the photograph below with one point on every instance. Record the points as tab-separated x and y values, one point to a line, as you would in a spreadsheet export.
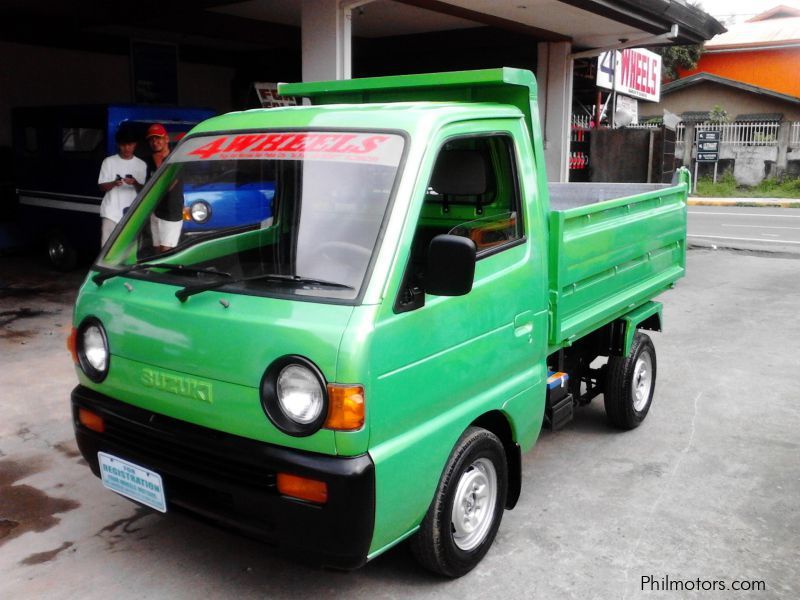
697	78
758	117
778	12
695	116
766	33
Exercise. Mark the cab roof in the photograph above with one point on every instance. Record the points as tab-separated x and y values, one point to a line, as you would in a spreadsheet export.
405	116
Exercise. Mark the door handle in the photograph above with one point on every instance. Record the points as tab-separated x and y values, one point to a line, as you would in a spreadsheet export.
523	323
523	330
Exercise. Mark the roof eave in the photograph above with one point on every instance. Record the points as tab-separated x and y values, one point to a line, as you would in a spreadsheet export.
657	16
697	78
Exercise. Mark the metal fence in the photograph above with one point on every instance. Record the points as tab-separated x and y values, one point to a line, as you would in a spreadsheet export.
679	130
755	133
794	135
745	133
581	121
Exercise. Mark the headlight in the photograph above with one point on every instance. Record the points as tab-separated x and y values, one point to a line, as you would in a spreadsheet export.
294	395
93	355
200	211
299	394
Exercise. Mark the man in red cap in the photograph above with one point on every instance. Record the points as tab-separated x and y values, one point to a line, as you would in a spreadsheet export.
166	222
158	140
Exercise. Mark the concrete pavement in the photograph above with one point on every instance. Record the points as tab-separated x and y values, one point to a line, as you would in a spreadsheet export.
706	489
761	228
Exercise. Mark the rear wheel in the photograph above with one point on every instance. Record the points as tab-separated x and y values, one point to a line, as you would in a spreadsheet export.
463	518
630	383
61	253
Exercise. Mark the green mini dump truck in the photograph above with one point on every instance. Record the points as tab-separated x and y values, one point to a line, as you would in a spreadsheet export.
367	360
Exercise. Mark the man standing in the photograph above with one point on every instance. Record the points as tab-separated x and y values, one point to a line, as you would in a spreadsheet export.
158	140
166	221
121	177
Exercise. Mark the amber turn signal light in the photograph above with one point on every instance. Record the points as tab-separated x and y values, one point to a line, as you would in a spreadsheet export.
303	488
91	420
72	344
345	407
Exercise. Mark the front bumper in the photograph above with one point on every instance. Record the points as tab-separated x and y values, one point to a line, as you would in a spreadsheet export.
231	480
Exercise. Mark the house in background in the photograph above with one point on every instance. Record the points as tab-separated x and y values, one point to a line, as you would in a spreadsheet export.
761	137
763	52
694	97
752	72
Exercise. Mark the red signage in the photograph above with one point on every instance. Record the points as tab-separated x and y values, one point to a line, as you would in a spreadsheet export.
633	72
363	147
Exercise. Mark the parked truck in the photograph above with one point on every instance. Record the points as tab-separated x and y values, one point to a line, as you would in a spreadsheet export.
369	364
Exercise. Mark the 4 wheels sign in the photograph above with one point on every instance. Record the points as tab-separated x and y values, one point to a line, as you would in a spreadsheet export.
634	72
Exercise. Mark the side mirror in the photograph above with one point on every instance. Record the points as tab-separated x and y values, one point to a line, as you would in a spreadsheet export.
451	266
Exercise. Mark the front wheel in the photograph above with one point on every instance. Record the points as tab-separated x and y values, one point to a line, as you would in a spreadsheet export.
463	518
630	383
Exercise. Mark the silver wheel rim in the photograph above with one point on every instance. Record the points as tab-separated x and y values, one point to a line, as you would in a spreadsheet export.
474	504
642	381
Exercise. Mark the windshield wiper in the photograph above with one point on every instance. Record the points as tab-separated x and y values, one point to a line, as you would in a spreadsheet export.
101	277
191	290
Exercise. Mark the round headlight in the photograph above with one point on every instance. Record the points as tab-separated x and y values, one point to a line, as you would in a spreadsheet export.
294	395
200	211
299	394
93	353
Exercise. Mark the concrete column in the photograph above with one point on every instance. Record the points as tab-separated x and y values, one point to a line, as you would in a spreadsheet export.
783	148
688	145
554	76
325	41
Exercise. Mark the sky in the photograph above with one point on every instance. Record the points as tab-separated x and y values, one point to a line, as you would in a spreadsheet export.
726	8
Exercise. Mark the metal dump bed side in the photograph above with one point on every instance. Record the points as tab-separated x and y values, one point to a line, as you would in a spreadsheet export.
610	257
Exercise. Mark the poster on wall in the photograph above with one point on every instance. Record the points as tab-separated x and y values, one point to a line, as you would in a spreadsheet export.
154	72
630	106
268	96
634	72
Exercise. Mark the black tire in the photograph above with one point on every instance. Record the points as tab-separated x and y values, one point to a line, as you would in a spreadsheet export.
62	254
437	545
626	409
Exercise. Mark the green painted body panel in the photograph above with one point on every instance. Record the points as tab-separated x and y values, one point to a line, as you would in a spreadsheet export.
435	370
229	348
428	373
607	259
634	318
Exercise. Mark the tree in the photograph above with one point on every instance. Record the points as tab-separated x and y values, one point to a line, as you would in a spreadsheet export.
718	114
677	57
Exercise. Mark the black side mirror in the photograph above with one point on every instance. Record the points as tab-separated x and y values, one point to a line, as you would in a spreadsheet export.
451	266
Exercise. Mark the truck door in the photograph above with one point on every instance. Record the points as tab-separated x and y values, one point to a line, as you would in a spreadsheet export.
443	361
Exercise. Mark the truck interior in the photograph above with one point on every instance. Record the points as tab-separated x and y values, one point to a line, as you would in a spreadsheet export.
473	193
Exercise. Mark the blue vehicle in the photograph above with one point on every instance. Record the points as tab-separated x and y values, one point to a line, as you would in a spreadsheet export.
57	155
221	205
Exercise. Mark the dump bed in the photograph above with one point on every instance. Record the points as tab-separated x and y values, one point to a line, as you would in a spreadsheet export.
607	257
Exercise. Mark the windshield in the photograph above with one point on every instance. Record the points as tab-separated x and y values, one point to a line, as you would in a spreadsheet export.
304	206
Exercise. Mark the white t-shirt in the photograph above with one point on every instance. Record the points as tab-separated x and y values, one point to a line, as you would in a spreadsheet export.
117	199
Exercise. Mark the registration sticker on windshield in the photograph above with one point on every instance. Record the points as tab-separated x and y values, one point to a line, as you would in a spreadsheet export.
374	148
132	481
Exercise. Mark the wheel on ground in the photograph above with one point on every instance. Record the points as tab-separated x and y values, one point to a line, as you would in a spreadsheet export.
630	383
61	252
466	511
